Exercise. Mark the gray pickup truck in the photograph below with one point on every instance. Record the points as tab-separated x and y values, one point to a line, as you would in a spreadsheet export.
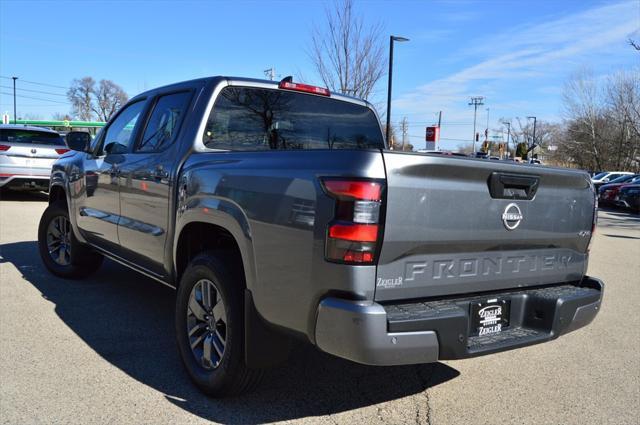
277	212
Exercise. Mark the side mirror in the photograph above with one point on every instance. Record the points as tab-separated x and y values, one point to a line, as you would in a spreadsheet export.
78	141
606	180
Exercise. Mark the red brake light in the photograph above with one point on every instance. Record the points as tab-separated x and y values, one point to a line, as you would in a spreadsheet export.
62	150
362	190
304	88
354	232
4	148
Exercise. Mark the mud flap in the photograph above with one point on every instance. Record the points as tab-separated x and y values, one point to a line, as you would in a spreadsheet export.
264	346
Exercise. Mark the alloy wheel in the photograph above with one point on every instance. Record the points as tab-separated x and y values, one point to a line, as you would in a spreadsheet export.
207	324
59	240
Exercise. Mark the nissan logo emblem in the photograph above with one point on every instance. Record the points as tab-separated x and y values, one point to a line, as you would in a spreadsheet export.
512	216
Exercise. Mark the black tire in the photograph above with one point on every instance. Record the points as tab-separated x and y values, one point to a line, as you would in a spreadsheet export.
81	260
230	376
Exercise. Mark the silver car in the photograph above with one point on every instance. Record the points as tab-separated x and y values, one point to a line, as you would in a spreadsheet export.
26	156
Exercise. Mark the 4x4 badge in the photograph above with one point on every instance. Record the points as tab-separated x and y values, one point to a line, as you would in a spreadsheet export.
512	216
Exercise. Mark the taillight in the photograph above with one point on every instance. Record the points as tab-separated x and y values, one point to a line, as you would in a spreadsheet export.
62	150
352	237
306	88
4	148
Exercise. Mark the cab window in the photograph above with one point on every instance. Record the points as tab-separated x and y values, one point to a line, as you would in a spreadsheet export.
119	135
164	122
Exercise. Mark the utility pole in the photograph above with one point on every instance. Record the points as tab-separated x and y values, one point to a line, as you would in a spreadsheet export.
15	115
508	124
475	101
404	127
270	73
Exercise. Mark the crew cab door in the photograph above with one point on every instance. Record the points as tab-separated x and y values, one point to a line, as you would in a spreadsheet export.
99	206
146	177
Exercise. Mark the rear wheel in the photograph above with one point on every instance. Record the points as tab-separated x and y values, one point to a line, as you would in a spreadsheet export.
210	327
60	251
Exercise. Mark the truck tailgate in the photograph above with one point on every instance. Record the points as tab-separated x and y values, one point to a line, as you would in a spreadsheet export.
456	225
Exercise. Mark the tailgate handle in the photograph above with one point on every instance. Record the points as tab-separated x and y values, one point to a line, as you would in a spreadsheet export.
512	186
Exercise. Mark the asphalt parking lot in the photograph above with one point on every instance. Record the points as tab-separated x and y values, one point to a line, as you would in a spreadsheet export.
102	351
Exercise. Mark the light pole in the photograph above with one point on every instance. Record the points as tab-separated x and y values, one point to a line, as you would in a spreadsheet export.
391	40
475	101
15	116
486	131
534	132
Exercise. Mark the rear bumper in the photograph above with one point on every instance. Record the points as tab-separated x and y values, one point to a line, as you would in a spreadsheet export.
24	181
24	177
428	331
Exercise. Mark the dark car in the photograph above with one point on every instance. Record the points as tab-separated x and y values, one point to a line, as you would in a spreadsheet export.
629	197
608	192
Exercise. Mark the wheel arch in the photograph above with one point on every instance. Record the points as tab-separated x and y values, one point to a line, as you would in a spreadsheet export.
202	228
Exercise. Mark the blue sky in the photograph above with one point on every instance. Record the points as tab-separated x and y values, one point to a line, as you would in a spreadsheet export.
517	54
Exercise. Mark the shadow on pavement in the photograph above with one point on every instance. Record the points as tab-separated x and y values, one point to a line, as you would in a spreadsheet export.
23	196
621	219
128	320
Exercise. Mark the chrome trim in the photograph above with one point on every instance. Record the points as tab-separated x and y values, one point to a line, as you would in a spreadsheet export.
131	266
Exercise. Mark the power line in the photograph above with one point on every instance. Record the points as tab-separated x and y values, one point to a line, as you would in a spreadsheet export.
36	91
37	83
36	98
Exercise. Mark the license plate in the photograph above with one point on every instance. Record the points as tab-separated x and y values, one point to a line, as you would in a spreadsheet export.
489	316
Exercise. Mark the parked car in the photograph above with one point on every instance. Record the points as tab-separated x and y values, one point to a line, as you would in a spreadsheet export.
277	212
607	176
26	156
629	197
608	192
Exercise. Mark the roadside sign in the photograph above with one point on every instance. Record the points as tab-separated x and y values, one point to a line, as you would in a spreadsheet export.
432	134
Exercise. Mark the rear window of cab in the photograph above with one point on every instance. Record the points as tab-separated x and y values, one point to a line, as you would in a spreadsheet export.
255	119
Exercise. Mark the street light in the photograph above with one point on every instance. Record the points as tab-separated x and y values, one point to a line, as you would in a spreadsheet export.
15	116
486	136
391	40
534	131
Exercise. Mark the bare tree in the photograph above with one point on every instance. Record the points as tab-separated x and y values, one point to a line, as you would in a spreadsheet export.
80	97
583	104
602	127
109	97
634	44
60	116
348	55
103	100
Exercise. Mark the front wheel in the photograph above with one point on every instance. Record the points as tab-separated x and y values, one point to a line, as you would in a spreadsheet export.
210	327
62	254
